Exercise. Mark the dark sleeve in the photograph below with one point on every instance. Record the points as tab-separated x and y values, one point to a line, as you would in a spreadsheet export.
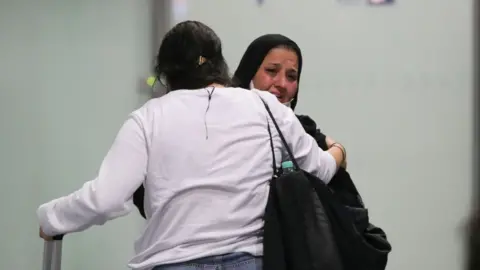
138	198
311	128
347	194
342	182
320	138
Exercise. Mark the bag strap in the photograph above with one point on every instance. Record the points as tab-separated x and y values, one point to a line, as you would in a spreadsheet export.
284	142
274	165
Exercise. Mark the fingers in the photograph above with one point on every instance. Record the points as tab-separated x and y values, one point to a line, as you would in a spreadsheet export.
44	236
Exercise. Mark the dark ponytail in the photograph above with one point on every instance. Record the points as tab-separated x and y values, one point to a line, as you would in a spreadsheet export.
178	60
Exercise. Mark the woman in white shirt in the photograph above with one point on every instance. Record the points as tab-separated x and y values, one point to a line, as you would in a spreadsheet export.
203	153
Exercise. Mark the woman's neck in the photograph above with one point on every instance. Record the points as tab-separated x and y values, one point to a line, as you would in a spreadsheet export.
216	85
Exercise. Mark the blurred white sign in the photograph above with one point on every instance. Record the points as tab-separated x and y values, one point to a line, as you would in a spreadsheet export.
380	2
180	10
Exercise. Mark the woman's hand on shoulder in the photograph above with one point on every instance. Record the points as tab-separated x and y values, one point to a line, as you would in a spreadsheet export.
329	141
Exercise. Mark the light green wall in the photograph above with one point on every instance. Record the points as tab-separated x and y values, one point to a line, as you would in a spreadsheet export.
394	84
70	72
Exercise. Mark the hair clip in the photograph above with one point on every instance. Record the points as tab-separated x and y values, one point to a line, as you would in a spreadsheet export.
201	60
151	81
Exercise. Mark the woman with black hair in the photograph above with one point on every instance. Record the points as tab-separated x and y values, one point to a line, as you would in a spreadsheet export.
273	63
206	171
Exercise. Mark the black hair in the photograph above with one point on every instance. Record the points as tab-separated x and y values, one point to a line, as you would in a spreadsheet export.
179	55
256	52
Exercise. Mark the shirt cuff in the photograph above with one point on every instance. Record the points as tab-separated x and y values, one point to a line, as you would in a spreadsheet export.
44	214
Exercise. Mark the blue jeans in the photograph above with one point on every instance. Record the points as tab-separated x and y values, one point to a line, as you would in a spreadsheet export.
232	261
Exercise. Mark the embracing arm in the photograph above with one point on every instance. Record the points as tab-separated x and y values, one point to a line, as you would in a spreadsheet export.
310	157
109	195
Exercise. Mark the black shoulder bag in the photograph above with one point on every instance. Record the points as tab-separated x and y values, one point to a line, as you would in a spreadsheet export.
317	230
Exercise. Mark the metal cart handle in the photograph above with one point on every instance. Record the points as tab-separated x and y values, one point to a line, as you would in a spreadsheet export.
52	254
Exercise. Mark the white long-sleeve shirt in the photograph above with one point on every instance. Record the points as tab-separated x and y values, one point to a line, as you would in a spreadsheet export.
206	175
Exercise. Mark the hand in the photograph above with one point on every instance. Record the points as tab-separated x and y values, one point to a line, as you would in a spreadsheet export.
44	236
329	141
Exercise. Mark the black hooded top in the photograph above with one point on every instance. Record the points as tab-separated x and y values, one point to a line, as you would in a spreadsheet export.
373	239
